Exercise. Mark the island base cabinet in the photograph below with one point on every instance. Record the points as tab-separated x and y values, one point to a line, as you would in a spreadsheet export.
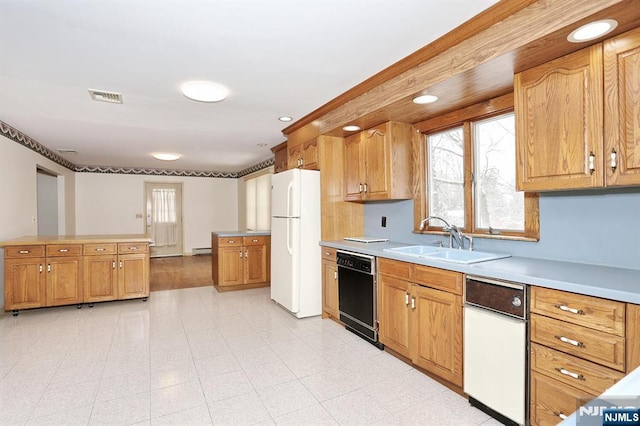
25	285
133	276
64	281
239	262
552	401
100	278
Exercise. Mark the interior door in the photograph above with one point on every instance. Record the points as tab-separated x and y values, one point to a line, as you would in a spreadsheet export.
163	222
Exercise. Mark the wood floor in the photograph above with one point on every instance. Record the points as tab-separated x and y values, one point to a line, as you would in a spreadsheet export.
168	273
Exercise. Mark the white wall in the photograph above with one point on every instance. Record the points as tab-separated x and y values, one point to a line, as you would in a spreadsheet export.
18	180
109	203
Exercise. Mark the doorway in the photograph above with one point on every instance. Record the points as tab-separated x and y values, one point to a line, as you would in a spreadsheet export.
47	208
163	220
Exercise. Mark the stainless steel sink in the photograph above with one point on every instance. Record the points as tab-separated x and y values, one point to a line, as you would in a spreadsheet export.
447	254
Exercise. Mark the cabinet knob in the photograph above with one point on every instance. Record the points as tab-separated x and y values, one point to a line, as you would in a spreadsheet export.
614	160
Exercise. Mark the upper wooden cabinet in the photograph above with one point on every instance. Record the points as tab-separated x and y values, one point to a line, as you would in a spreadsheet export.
558	109
576	126
281	158
621	109
304	155
378	163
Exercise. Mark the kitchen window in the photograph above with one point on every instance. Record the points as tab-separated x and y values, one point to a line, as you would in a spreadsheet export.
258	201
469	177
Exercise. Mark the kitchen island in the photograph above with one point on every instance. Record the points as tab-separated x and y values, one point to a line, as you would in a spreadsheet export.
42	271
240	259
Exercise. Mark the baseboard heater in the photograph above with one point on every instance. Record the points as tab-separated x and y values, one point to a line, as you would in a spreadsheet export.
201	250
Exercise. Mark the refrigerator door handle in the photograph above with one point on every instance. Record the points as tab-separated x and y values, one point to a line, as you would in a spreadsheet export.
289	237
289	200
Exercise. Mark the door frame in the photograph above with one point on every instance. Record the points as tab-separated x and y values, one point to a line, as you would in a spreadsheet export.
146	216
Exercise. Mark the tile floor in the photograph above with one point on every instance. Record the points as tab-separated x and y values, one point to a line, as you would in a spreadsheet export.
195	356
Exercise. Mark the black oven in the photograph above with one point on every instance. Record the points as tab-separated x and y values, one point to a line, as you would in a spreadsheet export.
357	294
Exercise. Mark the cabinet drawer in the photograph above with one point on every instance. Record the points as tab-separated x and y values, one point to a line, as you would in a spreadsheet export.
64	250
552	400
13	252
596	346
395	268
584	375
254	241
329	253
230	241
438	278
593	312
96	249
124	248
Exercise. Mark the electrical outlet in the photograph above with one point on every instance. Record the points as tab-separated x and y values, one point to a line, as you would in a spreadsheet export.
384	221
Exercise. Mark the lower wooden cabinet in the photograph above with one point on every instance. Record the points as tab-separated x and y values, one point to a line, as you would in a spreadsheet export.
24	283
330	304
66	274
240	261
553	401
420	321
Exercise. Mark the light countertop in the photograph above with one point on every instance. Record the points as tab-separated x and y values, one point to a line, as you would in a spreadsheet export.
600	281
240	233
76	239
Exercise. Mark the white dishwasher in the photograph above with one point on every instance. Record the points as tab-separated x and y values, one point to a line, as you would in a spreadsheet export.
495	348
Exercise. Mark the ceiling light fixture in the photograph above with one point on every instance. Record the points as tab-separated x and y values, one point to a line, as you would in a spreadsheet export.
166	156
592	30
204	91
285	118
351	128
424	99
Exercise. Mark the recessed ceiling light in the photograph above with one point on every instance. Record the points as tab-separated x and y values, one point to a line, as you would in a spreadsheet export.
285	118
592	30
166	156
204	91
351	128
424	99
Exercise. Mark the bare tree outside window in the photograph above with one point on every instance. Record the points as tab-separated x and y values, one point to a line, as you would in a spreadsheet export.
445	182
497	204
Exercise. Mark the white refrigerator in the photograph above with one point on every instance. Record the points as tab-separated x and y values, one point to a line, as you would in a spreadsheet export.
296	266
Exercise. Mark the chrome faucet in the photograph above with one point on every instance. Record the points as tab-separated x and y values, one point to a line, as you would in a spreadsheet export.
454	232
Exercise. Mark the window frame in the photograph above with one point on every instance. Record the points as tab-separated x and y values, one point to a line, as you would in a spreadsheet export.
466	118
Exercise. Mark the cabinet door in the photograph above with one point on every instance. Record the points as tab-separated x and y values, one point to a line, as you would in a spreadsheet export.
394	314
436	333
558	107
622	114
552	401
330	288
24	283
310	154
377	163
231	266
133	276
64	280
255	260
353	168
100	278
295	156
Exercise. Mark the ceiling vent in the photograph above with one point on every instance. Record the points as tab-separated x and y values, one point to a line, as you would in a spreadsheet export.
104	96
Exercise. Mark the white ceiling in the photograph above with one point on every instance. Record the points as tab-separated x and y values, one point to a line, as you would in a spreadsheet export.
277	57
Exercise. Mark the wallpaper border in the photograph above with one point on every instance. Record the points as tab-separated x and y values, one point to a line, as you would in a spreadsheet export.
24	140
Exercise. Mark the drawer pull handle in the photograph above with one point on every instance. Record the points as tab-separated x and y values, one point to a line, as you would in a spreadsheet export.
63	250
230	241
570	374
326	253
562	416
570	341
24	251
133	248
255	241
568	309
100	249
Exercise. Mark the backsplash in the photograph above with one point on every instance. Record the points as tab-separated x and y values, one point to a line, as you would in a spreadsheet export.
596	227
